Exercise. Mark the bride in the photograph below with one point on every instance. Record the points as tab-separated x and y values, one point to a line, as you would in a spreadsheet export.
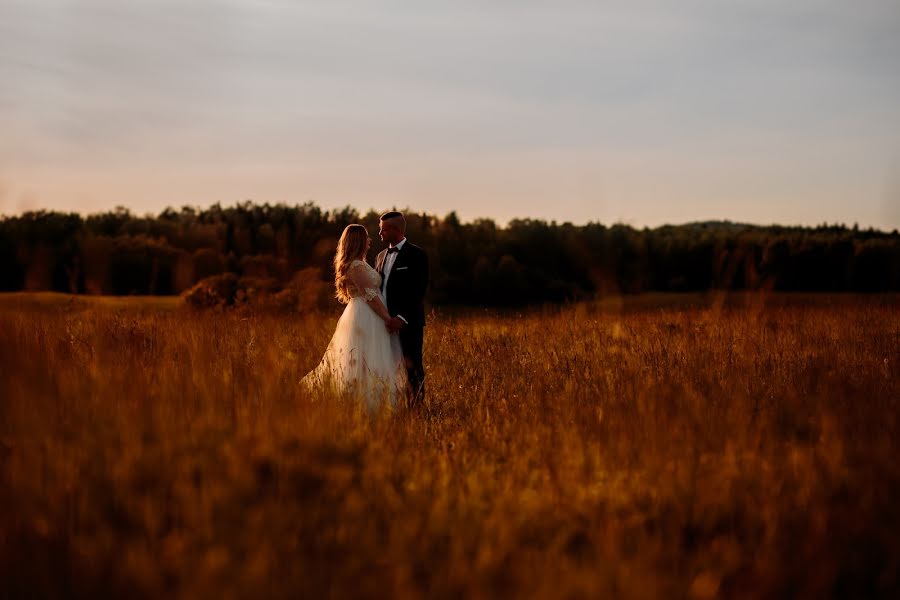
363	357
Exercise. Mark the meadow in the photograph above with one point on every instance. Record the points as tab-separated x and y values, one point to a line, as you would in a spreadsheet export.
644	447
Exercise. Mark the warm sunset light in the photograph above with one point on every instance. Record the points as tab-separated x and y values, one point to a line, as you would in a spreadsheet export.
407	299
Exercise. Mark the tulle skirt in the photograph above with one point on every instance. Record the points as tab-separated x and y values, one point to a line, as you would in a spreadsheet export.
362	359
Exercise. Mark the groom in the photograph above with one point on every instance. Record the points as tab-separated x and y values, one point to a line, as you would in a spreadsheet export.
404	279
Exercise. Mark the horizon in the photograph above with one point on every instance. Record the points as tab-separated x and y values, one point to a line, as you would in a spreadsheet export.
647	114
464	220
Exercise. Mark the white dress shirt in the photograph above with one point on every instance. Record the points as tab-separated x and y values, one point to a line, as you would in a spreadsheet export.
389	261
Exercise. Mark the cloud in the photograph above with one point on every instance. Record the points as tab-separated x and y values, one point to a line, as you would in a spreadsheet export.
166	87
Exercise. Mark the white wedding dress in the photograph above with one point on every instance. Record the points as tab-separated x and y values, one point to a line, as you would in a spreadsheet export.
363	358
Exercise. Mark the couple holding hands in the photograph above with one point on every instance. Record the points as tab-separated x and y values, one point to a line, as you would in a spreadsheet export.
376	349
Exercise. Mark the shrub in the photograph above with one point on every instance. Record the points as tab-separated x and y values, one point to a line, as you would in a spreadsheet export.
211	292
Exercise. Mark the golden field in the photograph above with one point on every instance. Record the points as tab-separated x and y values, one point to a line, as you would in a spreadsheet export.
646	447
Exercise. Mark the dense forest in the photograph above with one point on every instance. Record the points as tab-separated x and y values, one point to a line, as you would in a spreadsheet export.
230	254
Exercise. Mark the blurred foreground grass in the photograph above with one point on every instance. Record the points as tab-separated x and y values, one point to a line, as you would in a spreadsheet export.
719	447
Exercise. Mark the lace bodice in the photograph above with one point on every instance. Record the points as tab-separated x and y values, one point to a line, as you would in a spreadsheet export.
363	280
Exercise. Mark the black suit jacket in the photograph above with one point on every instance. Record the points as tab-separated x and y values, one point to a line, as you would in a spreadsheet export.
407	284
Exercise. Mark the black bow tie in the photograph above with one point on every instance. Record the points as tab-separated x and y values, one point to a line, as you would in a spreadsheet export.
393	249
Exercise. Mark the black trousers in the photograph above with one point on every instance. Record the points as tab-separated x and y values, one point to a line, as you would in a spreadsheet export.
411	338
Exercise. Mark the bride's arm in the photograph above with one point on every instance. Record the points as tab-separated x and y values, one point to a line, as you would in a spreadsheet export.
379	308
361	279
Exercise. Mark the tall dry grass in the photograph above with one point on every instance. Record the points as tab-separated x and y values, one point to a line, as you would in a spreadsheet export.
589	451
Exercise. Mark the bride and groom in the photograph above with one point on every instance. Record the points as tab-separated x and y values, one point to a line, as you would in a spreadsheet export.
376	349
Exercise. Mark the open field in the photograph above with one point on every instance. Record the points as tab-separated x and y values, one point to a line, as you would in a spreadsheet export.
692	446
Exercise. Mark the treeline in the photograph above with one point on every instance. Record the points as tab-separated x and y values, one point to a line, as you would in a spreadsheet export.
528	261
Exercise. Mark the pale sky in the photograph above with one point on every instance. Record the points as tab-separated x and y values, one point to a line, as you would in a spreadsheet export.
645	112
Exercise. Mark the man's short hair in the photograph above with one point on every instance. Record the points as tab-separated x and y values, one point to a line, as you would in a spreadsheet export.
395	215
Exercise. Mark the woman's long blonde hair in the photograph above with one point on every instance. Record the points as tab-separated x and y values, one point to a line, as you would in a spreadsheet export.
351	246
